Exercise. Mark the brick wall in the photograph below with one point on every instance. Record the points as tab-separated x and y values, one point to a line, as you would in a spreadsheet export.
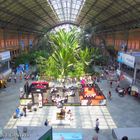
116	39
16	41
2	46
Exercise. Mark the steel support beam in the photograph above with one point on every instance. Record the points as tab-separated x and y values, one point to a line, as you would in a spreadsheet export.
117	15
18	26
33	13
80	6
70	8
17	16
45	11
72	23
62	10
103	10
122	26
3	1
134	7
88	11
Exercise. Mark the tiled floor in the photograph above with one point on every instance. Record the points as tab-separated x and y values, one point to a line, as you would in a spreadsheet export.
83	117
119	112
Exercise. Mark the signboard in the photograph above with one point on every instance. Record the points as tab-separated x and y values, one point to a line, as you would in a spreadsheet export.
120	58
26	67
4	55
67	136
30	43
127	59
22	44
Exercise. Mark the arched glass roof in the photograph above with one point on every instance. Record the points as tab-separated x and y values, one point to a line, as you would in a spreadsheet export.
42	15
66	27
66	10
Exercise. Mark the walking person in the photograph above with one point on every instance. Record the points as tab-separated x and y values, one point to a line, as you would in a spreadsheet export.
20	77
17	112
9	79
97	125
21	92
64	90
111	84
37	77
46	122
15	79
26	89
109	95
24	111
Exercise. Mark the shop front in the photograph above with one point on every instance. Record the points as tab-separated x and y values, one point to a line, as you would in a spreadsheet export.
129	67
5	69
129	63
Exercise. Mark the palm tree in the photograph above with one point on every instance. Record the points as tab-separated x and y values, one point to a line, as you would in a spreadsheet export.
64	45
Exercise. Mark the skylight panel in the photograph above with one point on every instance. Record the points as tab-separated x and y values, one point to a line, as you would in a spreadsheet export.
69	8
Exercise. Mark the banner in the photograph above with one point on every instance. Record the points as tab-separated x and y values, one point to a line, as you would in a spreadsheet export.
30	43
129	60
120	58
22	44
126	59
5	55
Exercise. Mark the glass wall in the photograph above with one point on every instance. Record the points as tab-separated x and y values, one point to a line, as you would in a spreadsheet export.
3	66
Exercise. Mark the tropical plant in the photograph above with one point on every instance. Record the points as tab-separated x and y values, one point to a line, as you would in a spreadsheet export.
65	56
30	57
64	45
112	51
41	64
68	57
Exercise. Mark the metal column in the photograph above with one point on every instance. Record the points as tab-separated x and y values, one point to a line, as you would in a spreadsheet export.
134	76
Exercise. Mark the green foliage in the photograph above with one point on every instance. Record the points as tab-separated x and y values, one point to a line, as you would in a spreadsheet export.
44	44
64	57
112	51
98	58
41	63
30	57
67	58
22	59
64	45
79	69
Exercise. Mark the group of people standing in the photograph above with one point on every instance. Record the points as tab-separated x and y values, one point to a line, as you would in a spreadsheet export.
14	77
20	112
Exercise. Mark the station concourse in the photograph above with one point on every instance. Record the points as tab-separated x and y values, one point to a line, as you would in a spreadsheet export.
26	30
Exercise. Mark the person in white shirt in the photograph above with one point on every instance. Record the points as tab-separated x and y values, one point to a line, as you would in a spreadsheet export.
97	125
21	91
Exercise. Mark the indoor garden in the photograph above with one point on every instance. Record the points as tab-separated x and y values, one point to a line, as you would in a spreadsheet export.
64	53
